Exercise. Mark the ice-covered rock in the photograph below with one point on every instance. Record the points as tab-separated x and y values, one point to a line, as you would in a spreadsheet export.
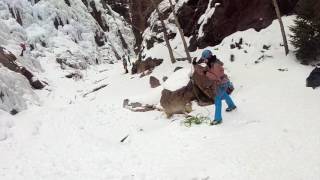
15	91
75	33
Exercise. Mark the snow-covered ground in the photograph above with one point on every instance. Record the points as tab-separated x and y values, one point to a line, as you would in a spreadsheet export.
274	133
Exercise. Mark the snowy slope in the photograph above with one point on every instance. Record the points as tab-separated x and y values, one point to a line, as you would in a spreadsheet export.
274	134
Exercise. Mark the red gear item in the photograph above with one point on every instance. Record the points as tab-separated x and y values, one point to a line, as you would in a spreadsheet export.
23	46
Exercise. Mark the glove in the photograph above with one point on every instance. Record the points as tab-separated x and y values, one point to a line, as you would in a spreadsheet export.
230	87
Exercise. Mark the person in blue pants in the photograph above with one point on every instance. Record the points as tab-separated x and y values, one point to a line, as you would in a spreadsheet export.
222	95
216	74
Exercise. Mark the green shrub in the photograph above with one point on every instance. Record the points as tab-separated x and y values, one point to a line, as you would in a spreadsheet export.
196	120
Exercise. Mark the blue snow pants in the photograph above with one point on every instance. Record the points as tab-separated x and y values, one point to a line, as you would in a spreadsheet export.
222	94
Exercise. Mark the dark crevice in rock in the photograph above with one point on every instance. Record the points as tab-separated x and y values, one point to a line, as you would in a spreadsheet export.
35	1
67	2
85	2
99	38
14	112
119	6
123	41
97	15
57	22
140	12
16	14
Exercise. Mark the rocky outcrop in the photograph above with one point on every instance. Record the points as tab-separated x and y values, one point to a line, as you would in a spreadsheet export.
15	12
119	6
7	59
138	107
77	75
15	92
316	8
164	78
34	82
64	63
208	24
136	12
142	66
229	16
97	15
154	82
140	12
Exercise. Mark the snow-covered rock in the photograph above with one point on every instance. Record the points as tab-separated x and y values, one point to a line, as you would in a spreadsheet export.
15	91
178	79
6	123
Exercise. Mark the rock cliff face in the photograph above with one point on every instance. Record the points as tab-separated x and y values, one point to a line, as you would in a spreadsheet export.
315	10
119	6
228	16
140	12
136	12
208	22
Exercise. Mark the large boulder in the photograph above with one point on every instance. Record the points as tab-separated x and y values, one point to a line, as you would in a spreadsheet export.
200	88
179	101
314	78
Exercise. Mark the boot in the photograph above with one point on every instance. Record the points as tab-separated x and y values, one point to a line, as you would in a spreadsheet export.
229	109
215	122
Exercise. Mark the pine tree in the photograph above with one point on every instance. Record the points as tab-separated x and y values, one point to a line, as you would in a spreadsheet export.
306	32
